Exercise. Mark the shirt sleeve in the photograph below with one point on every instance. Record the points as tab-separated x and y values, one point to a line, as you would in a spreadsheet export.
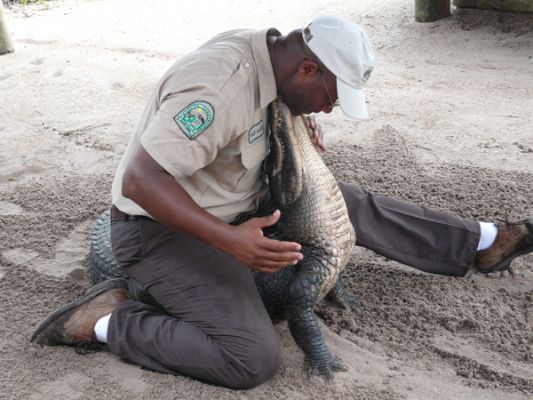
187	131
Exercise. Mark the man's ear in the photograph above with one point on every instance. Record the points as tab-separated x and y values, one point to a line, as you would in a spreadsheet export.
308	68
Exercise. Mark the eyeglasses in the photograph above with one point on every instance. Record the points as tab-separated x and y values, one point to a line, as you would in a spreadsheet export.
333	104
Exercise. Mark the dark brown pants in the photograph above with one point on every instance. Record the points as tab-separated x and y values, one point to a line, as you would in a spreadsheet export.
217	329
425	239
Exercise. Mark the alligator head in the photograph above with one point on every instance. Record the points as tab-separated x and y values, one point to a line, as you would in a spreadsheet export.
284	166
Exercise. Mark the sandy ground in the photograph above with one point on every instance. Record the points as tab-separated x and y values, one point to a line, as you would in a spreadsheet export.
451	127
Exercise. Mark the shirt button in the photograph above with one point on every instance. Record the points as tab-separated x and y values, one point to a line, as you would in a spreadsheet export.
246	65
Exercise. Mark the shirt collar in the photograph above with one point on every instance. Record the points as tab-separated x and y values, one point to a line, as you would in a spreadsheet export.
267	81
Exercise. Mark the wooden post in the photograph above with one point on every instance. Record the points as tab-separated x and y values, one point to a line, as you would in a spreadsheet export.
431	10
5	41
500	5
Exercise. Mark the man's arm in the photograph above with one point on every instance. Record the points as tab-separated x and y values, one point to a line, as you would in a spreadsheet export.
155	190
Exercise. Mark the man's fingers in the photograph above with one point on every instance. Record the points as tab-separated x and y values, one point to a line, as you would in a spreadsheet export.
317	134
269	220
311	121
289	257
269	255
276	254
280	247
319	138
270	266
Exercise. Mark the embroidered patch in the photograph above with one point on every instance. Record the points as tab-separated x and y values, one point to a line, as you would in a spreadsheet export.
195	118
256	131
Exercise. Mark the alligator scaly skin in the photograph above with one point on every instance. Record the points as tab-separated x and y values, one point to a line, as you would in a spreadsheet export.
314	214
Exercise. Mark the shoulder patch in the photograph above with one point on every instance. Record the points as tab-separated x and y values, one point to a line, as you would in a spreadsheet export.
195	118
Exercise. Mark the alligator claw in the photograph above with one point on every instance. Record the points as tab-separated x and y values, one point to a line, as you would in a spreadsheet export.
326	370
346	302
337	364
341	298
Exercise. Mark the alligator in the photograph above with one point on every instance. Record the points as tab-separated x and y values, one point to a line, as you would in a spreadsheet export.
313	213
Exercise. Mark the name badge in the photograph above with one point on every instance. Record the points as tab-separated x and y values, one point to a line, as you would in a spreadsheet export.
256	131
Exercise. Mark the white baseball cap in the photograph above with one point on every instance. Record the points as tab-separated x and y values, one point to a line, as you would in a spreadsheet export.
343	47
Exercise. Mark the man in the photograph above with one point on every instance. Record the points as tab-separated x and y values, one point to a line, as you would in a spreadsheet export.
188	196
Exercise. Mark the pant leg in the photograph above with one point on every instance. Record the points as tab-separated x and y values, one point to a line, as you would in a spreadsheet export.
429	240
216	330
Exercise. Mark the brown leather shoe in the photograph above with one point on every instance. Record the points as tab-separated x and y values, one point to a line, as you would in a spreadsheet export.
74	323
513	239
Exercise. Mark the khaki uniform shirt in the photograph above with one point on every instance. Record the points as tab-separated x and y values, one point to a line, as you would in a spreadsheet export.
206	124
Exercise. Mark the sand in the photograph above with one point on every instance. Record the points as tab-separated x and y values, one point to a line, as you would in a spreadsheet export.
451	107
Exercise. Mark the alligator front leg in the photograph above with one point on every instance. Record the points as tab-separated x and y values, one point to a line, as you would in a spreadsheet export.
302	297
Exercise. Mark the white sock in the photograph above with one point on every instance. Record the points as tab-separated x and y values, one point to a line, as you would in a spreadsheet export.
489	231
100	329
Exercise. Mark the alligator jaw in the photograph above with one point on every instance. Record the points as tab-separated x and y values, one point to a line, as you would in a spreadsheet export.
285	167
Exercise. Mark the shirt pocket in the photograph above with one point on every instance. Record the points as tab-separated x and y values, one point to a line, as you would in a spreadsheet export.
252	157
254	153
239	78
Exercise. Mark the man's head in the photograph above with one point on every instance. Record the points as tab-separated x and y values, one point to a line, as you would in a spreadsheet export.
330	59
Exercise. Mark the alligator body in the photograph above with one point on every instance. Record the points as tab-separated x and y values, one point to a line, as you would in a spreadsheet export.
314	214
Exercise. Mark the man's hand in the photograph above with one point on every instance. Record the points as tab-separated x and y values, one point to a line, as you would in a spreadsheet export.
250	247
174	207
317	136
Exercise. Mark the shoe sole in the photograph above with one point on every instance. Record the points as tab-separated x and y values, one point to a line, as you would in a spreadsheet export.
93	292
505	264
